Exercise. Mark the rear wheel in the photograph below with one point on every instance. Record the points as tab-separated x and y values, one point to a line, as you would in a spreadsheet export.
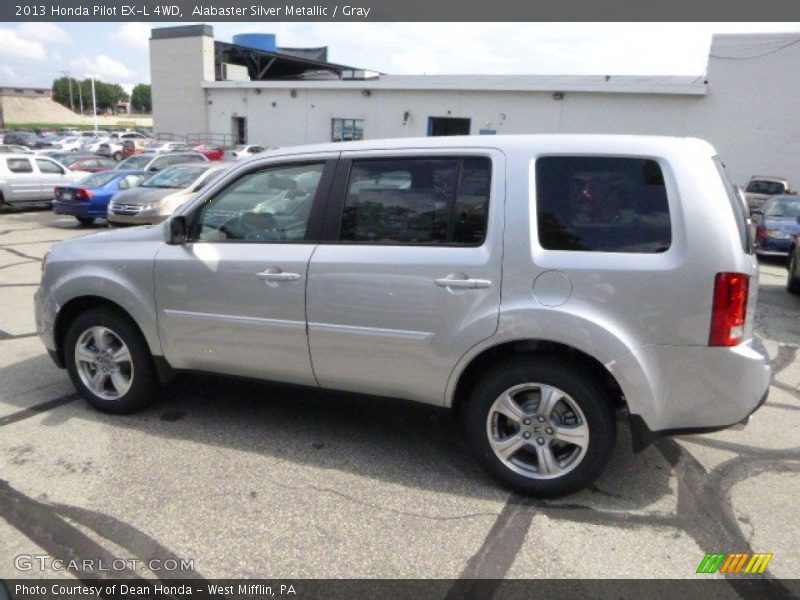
540	427
109	362
85	220
117	156
793	280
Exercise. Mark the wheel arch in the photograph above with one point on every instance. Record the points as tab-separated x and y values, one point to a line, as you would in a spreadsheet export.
79	305
492	355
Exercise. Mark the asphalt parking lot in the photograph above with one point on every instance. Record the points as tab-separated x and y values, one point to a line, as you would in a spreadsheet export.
248	479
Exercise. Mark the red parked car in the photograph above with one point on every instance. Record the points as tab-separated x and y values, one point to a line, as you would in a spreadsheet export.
93	164
210	151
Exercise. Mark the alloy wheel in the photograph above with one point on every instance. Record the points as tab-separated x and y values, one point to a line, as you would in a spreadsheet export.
537	430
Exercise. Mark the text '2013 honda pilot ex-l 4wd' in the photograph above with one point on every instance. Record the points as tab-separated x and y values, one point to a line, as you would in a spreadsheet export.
537	285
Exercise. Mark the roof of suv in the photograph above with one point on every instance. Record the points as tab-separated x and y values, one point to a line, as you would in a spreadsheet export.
586	142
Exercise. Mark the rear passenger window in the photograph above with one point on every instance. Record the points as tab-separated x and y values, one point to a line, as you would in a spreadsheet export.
417	201
602	204
19	165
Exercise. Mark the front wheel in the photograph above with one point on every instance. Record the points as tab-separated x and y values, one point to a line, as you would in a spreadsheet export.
109	362
540	427
117	156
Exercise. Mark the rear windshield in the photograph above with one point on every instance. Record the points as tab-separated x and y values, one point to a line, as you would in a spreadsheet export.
739	206
602	204
135	162
770	188
99	179
783	206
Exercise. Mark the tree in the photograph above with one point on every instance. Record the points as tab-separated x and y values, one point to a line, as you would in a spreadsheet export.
141	98
107	94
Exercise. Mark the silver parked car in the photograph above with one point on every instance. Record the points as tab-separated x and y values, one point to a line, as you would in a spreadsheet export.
32	179
160	195
536	285
152	161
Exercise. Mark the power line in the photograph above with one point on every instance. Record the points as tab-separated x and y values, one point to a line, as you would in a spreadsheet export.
773	51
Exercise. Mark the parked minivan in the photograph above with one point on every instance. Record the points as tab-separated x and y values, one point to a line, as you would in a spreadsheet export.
539	286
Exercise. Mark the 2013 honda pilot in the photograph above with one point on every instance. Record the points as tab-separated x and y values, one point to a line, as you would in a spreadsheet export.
539	286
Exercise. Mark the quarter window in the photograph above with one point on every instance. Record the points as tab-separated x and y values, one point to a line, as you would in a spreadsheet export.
347	130
19	165
602	204
269	205
417	201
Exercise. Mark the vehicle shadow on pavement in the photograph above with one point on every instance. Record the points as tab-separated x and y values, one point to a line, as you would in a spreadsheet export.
383	439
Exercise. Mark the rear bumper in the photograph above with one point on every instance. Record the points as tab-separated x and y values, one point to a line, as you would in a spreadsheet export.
772	247
78	210
700	389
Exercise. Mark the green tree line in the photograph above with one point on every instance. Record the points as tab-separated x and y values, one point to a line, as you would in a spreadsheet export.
106	94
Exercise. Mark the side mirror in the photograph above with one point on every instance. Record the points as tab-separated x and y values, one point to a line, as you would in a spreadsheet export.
177	230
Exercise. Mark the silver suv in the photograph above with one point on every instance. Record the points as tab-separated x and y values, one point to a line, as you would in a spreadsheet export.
539	286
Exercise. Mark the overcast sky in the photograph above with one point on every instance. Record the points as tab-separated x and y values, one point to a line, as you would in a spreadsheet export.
35	54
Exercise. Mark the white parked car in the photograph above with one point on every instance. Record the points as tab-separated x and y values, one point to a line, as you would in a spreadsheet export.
161	147
244	151
31	179
111	148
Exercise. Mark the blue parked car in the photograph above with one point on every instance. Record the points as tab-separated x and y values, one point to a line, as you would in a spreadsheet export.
88	199
778	225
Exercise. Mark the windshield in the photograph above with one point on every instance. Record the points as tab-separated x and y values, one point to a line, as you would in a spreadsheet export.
177	177
99	179
783	207
134	162
770	188
238	148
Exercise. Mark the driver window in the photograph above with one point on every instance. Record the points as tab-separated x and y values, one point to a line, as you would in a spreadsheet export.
269	205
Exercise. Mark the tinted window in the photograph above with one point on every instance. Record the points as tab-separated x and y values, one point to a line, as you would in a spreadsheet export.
417	201
769	188
49	167
177	177
19	165
269	205
602	204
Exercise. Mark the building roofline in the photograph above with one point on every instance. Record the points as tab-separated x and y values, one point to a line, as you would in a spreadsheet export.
689	86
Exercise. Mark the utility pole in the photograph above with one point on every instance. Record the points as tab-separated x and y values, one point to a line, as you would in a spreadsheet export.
94	105
80	96
69	80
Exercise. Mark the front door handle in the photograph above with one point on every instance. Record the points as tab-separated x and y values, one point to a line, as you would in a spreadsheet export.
470	284
275	274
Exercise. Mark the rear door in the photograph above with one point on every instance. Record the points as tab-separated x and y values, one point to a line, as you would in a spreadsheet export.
51	174
232	299
409	277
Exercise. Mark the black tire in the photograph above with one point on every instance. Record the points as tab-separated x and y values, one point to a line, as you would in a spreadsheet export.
85	221
117	156
792	281
590	396
144	386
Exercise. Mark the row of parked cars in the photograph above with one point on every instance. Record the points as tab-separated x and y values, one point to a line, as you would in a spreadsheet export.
145	188
80	172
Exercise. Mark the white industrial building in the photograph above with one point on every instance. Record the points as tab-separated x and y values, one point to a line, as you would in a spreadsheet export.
253	91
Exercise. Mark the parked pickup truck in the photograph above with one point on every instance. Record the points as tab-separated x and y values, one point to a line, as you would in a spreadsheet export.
760	188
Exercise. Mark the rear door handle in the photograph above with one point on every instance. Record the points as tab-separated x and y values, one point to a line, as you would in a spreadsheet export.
275	274
470	284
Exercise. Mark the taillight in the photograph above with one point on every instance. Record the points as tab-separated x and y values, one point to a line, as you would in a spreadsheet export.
761	233
84	194
729	309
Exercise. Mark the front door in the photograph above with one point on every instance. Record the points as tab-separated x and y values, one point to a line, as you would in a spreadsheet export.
409	280
24	180
232	299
